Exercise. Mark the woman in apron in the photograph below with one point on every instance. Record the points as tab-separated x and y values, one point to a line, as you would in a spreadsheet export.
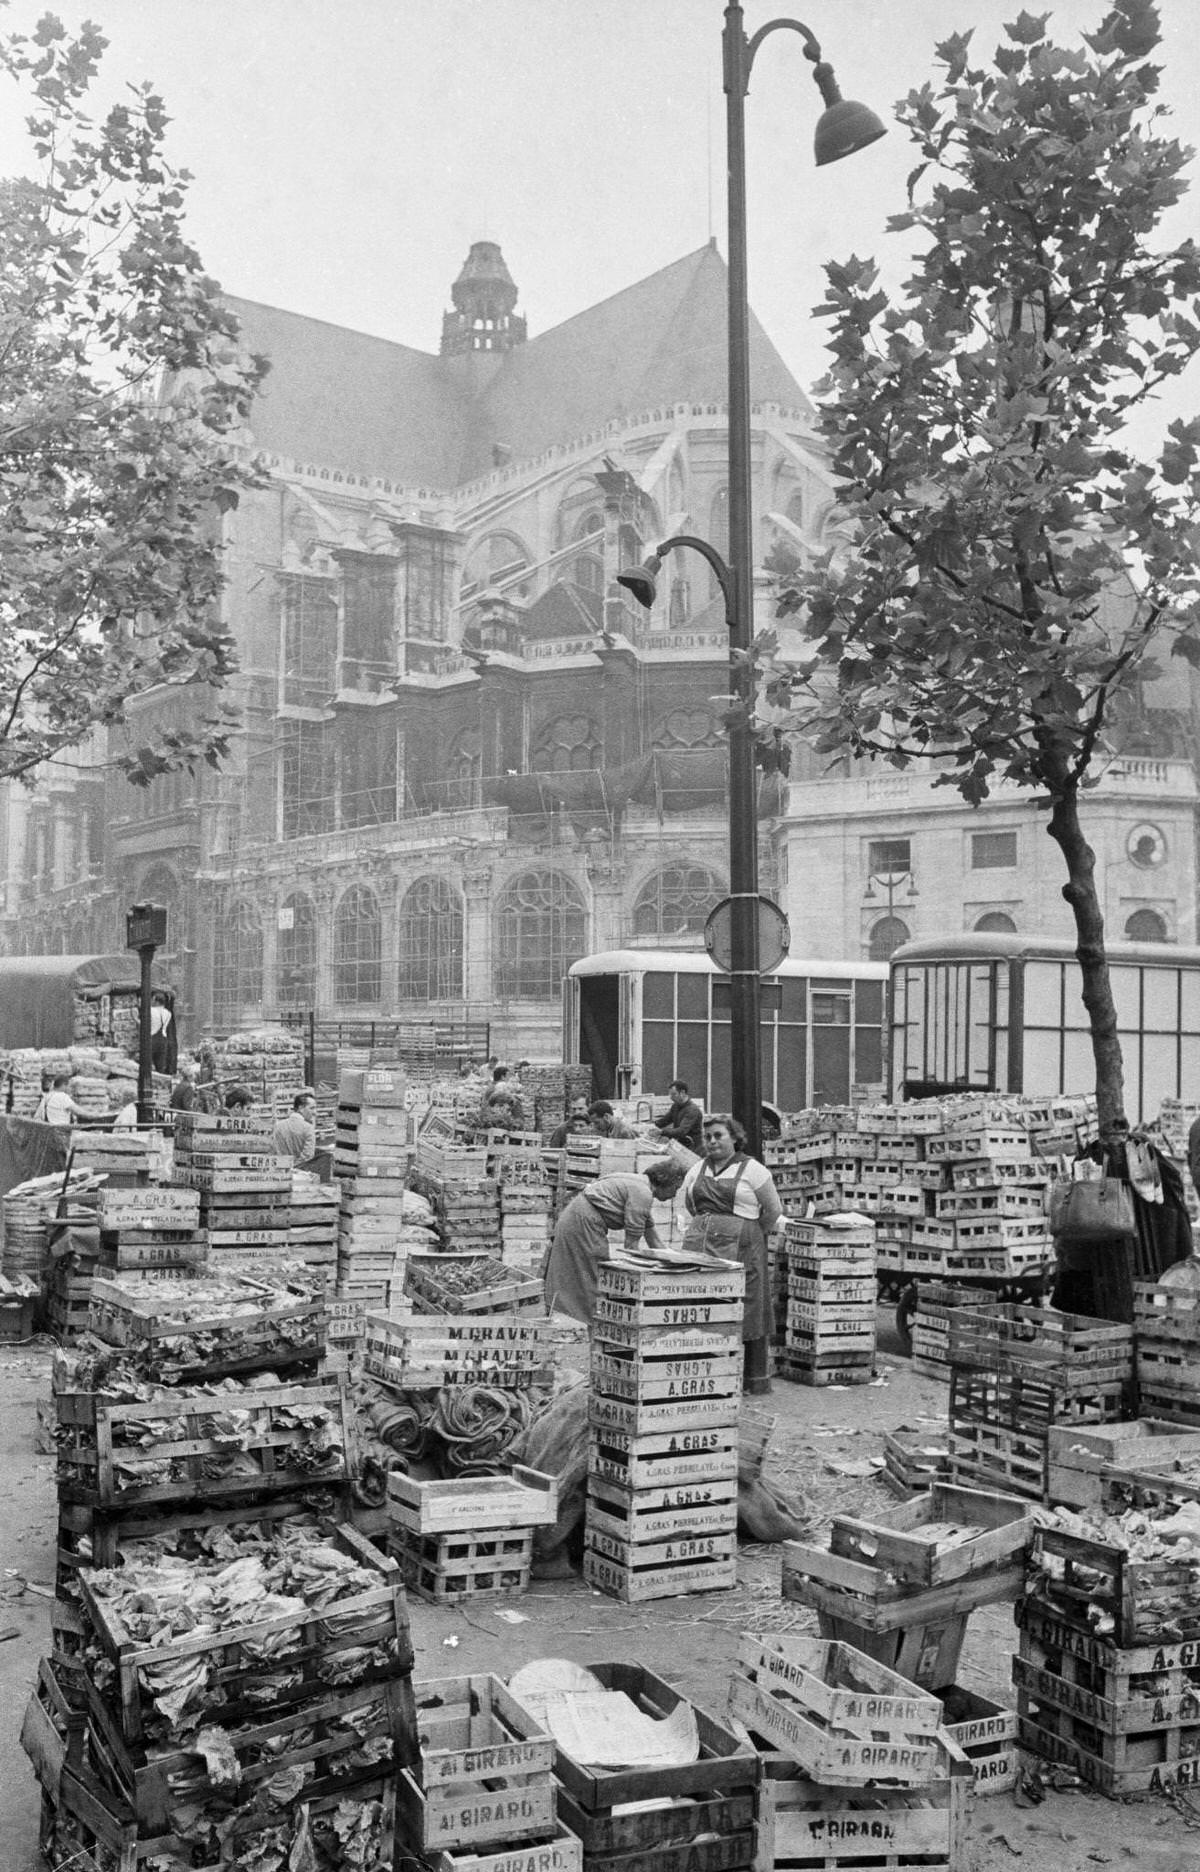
621	1201
733	1206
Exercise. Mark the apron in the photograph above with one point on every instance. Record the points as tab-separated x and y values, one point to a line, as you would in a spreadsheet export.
714	1229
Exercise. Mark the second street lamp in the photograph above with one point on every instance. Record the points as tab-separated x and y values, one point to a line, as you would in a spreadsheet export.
842	129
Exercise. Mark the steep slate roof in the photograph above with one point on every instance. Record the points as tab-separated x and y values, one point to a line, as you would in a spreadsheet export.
364	405
339	399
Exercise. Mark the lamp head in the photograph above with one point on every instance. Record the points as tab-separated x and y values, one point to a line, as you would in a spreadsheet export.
843	129
641	581
843	126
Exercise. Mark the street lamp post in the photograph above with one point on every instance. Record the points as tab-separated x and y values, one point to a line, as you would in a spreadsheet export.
842	128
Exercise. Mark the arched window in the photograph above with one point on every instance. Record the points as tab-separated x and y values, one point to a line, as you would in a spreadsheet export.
296	952
1146	926
431	942
569	745
886	936
237	964
495	560
540	931
676	899
357	948
996	921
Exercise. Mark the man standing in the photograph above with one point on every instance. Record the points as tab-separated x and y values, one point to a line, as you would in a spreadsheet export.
296	1135
57	1107
682	1119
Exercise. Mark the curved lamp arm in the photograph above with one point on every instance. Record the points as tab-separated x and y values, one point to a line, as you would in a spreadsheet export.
718	564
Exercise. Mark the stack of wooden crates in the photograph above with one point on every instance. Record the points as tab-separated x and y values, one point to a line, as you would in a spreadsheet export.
1016	1372
1166	1322
901	1590
828	1270
666	1372
1106	1663
314	1701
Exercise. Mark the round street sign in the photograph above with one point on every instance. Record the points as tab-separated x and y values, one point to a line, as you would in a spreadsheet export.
774	936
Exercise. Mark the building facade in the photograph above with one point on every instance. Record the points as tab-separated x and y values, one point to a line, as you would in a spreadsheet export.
465	757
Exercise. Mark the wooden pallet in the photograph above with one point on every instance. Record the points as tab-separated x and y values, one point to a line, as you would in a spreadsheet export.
471	1564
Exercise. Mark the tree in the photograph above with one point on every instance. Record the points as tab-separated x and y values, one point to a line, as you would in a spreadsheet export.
122	394
991	505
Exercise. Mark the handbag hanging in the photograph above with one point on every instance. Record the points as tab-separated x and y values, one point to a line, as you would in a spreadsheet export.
1097	1209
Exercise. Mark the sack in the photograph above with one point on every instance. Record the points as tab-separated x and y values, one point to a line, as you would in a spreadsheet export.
1098	1210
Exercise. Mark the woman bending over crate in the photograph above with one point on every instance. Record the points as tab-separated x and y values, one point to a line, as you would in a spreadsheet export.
621	1201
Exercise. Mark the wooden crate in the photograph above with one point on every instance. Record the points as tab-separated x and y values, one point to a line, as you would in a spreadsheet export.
664	1417
986	1732
93	1537
561	1852
245	1659
484	1772
1087	1462
991	1533
650	1298
624	1373
431	1282
101	1463
1149	1601
666	1460
693	1834
52	1732
725	1765
524	1498
468	1564
275	1330
1166	1313
88	1826
633	1569
914	1460
1169	1368
843	1717
876	1599
809	1828
510	1350
325	1734
641	1514
1068	1350
844	1367
925	1652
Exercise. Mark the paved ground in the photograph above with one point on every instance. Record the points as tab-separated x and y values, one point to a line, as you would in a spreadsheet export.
690	1641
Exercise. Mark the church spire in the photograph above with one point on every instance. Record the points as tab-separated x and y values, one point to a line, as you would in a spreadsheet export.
484	296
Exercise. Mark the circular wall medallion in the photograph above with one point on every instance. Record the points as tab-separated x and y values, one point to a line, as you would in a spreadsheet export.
1146	846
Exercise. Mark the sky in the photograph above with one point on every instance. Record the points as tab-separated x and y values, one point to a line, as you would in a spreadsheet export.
346	153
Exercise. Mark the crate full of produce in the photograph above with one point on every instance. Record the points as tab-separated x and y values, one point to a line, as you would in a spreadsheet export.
469	1284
